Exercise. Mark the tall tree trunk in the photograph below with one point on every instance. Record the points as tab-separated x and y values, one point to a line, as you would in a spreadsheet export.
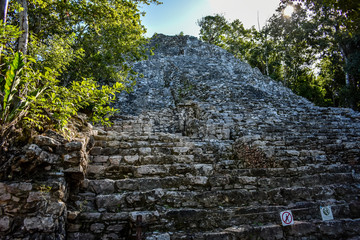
24	27
3	13
3	10
344	55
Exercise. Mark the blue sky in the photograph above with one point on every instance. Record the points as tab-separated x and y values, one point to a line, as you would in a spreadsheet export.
174	16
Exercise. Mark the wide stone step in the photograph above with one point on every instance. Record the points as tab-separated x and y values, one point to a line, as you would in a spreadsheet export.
143	200
144	151
137	160
327	230
111	135
190	220
101	171
309	169
202	180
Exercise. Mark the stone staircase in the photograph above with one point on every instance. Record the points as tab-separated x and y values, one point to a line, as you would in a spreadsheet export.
185	188
208	148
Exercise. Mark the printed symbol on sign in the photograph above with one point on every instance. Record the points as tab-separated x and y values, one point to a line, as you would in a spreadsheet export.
287	217
326	211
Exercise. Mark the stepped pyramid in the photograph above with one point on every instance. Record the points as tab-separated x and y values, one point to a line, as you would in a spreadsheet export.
206	147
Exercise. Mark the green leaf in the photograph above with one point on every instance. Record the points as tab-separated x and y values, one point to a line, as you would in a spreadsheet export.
11	82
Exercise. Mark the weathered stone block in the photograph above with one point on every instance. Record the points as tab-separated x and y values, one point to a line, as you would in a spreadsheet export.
300	229
115	160
74	146
100	159
151	170
145	151
5	223
111	202
46	141
115	228
49	158
131	159
105	186
97	227
43	224
164	236
36	196
147	216
204	169
73	158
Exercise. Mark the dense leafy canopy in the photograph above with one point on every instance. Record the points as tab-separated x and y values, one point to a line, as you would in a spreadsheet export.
60	58
315	51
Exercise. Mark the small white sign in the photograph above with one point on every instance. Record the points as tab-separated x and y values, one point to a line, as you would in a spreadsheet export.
287	218
326	213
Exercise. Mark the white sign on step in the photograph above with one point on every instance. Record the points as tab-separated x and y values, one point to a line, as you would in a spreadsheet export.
287	218
326	213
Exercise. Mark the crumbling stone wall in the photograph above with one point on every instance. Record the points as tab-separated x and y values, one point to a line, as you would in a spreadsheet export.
33	197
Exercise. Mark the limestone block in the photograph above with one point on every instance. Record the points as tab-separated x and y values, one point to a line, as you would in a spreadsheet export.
115	160
33	150
180	150
74	157
112	202
112	144
55	208
145	151
115	228
5	197
204	169
97	227
46	141
73	227
292	153
95	169
164	236
147	216
35	196
199	180
2	188
90	216
151	170
264	232
131	159
127	184
80	235
302	229
120	216
5	223
72	215
74	146
96	151
246	180
44	224
100	159
49	158
105	186
23	186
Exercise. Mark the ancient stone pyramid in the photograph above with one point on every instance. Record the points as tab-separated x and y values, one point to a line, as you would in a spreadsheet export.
208	148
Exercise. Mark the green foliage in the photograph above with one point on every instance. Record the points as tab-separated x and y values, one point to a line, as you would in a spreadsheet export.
213	29
9	85
322	34
107	34
74	45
